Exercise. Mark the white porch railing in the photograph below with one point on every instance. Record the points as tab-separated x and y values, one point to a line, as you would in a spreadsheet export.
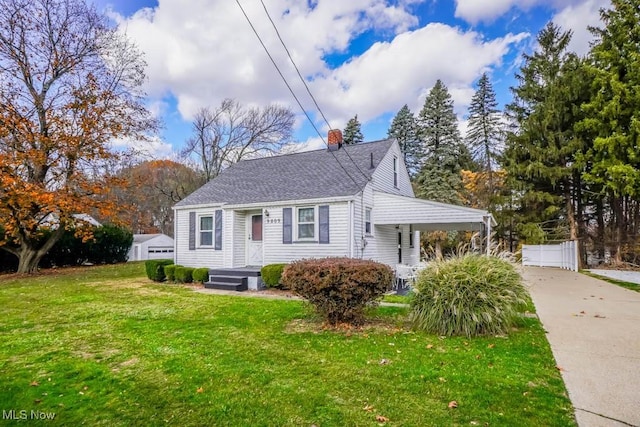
563	255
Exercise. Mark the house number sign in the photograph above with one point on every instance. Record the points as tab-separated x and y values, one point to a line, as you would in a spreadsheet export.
273	220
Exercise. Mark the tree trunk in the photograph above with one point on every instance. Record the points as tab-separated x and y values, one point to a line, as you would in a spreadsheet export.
571	217
29	255
618	229
28	260
600	230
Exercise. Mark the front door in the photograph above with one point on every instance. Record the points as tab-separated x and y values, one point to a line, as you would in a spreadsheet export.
254	247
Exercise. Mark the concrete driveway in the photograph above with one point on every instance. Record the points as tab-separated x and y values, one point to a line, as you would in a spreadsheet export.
594	331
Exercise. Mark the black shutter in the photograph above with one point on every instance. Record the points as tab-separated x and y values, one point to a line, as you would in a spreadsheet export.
287	225
218	231
323	213
192	231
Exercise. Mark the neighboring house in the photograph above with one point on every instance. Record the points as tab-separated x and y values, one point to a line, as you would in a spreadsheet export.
51	220
151	246
354	201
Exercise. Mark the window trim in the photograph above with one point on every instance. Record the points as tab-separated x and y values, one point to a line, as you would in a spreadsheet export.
211	231
298	223
395	171
368	222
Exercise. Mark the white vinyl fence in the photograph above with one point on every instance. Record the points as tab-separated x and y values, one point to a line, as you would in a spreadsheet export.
564	255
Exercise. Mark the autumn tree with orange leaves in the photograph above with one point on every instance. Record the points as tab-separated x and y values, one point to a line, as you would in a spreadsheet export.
150	191
70	83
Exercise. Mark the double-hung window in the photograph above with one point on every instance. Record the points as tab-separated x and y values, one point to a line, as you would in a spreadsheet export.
306	223
206	230
367	221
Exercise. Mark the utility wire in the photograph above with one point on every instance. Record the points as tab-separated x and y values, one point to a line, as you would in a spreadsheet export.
304	82
293	93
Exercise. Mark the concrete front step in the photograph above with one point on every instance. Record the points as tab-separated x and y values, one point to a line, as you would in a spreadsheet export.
226	286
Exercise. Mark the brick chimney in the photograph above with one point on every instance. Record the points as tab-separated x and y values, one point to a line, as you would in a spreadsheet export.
335	139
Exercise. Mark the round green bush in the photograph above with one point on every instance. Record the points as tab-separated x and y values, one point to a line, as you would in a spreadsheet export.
201	275
184	274
470	295
271	275
170	272
155	269
338	288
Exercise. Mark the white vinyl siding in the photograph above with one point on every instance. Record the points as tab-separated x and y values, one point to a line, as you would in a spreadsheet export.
238	241
275	251
201	256
383	177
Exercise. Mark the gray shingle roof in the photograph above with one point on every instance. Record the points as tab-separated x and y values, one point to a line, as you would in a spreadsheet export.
307	175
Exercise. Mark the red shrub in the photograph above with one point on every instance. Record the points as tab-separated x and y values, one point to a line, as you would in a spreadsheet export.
338	288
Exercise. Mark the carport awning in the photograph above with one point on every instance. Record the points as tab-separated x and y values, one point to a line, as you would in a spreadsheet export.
425	215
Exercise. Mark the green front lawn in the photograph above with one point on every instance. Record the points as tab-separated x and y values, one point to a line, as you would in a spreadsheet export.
105	346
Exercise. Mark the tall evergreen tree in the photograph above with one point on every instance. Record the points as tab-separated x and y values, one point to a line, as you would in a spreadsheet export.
484	134
614	115
441	151
542	151
438	128
404	129
352	132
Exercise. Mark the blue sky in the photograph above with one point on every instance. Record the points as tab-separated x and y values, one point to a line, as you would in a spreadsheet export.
365	57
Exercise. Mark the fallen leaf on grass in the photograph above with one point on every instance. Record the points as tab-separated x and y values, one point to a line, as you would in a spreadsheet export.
199	390
34	384
453	404
369	408
491	345
442	380
429	346
478	356
381	419
385	362
37	401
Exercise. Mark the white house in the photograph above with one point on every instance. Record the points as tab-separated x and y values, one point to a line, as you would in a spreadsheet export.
354	201
151	246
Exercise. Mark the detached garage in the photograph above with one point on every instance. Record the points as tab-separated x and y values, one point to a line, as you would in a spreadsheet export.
151	246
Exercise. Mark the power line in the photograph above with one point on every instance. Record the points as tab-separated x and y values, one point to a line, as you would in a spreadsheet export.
304	82
293	93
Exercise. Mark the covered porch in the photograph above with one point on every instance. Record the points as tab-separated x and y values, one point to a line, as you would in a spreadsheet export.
426	215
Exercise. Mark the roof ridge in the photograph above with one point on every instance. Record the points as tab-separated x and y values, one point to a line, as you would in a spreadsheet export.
350	147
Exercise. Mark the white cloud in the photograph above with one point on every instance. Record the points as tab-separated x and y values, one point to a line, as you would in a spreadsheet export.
203	51
388	75
151	148
577	18
475	11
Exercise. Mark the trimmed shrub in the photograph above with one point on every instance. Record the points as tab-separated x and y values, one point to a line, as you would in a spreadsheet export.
200	275
271	275
338	288
170	272
184	274
155	269
469	295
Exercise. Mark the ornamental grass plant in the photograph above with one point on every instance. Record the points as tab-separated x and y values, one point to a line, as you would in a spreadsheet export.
468	295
